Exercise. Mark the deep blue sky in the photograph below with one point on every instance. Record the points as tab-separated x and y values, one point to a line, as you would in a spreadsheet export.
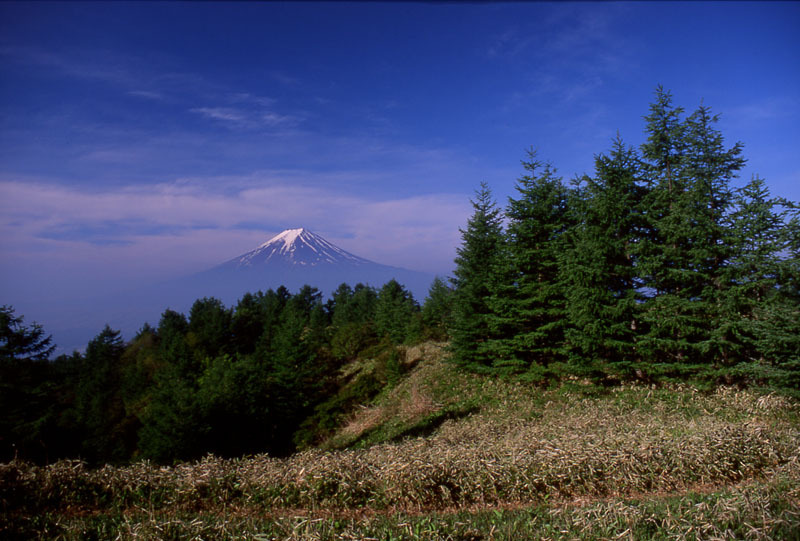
144	140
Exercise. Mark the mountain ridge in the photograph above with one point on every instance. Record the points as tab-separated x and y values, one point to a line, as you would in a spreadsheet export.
298	257
298	246
293	258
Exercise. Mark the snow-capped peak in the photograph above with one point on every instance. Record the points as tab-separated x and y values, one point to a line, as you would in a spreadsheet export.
297	247
288	237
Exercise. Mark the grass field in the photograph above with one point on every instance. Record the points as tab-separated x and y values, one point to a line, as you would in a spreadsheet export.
448	455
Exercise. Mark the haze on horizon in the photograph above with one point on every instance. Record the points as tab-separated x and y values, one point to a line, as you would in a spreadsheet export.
144	141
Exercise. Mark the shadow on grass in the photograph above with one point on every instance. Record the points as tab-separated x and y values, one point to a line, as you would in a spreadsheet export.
422	428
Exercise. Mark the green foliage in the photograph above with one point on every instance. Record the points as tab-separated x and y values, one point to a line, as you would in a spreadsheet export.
598	268
474	278
528	301
26	386
653	268
19	342
683	258
110	435
209	328
437	312
395	309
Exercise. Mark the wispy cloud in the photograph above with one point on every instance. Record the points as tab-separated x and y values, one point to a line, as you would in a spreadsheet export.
765	109
147	94
249	118
172	219
246	97
221	113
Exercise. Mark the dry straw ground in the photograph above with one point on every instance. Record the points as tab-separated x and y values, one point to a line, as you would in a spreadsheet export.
516	462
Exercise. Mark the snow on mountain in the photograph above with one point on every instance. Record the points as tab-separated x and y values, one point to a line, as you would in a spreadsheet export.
297	247
293	258
296	257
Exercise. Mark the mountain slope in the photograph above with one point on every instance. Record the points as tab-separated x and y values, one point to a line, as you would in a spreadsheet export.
294	258
296	247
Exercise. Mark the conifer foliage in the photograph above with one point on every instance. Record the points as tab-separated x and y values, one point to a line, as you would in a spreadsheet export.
528	300
655	266
598	269
476	272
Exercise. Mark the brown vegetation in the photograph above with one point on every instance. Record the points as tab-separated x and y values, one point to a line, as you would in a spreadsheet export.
594	450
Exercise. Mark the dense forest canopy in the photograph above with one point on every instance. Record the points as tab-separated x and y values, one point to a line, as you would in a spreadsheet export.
655	267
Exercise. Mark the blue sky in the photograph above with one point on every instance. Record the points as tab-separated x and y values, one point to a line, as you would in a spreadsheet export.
140	141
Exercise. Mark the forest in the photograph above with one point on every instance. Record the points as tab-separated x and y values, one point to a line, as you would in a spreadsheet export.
654	268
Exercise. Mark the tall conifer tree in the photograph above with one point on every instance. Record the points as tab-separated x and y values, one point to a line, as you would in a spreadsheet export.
598	269
528	303
475	272
682	258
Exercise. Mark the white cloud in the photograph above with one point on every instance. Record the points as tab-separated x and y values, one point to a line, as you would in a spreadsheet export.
186	226
243	118
147	94
220	113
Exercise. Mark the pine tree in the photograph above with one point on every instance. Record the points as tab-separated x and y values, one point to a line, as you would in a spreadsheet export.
99	398
296	368
209	328
528	305
353	320
394	312
437	310
760	321
476	265
598	269
24	372
683	255
172	425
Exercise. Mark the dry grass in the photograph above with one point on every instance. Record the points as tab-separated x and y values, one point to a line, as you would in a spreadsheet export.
591	451
578	458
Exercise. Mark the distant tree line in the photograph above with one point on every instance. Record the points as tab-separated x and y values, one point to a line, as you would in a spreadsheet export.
653	267
228	381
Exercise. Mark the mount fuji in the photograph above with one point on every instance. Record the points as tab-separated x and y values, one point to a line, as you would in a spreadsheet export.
297	247
298	257
293	258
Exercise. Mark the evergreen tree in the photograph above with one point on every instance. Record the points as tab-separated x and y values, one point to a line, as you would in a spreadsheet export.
353	319
297	366
529	305
235	397
19	342
683	257
140	362
395	309
247	323
598	269
172	425
25	384
209	328
760	320
99	400
272	304
437	310
475	273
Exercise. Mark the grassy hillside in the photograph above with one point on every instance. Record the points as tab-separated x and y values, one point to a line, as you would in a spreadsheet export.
446	455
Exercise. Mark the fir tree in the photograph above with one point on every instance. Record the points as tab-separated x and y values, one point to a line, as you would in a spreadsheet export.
395	309
476	267
99	399
760	321
528	302
598	269
437	310
683	256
